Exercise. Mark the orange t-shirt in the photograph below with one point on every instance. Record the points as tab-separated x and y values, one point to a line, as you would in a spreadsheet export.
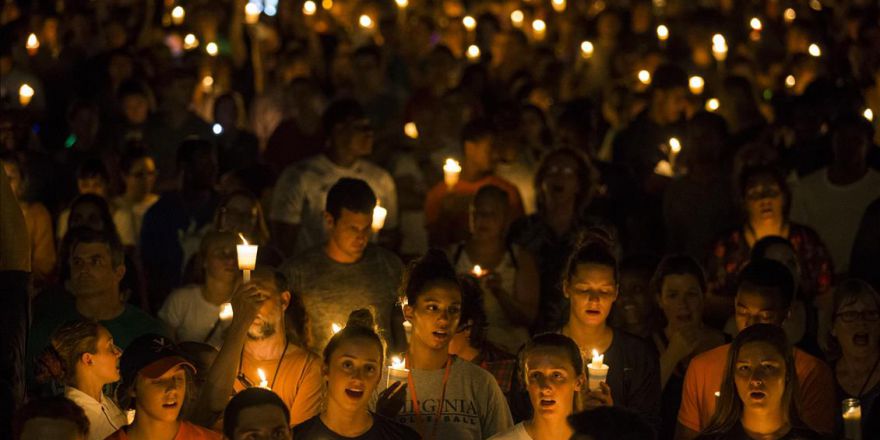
705	373
298	383
187	431
446	211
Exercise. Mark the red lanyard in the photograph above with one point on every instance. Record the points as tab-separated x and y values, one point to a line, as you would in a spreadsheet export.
415	398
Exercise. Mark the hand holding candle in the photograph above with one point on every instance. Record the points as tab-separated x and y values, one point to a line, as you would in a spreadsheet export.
598	371
226	311
247	257
397	371
25	94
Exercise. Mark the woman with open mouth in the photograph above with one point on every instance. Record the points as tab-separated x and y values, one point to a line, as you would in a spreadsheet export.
590	281
757	397
353	363
553	371
154	378
856	334
446	397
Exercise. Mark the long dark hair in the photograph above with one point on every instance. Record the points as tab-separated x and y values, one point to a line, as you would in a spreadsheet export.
428	271
595	246
66	346
552	340
361	325
729	410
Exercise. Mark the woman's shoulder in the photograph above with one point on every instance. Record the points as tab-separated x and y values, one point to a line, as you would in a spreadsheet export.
516	432
191	431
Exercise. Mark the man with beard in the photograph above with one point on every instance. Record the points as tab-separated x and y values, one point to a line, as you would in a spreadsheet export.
260	351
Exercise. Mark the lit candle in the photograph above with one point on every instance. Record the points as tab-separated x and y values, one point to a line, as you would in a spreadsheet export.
516	18
598	371
755	24
411	130
587	49
662	34
247	257
365	21
696	84
226	312
644	77
558	5
814	50
25	93
790	81
868	114
789	15
852	419
478	271
207	83
719	47
470	23
190	42
712	104
252	12
402	4
33	44
327	4
397	372
335	328
264	383
177	15
540	28
379	214
129	415
451	172
309	8
473	52
212	49
674	149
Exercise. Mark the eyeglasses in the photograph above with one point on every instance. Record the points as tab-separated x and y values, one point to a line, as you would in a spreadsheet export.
864	315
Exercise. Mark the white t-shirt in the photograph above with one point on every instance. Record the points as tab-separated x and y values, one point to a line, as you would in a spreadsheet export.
518	432
301	193
105	417
192	317
834	211
130	216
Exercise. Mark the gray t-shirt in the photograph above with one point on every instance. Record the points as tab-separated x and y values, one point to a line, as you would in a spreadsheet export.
331	290
474	407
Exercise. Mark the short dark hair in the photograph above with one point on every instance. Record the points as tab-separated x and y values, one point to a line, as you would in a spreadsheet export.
611	423
477	129
431	269
551	340
760	248
56	408
352	194
340	112
80	235
669	76
595	246
770	278
677	265
248	398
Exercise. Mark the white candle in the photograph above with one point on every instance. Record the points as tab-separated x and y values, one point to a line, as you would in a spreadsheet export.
379	214
226	312
814	50
558	5
587	49
252	12
598	371
397	371
662	33
540	28
852	419
365	21
644	77
719	47
402	4
473	52
190	42
478	271
33	44
25	93
516	18
177	15
712	104
247	257
696	84
868	114
309	8
411	130
212	49
451	172
470	23
264	383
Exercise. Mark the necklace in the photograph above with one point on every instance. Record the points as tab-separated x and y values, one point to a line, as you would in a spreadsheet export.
243	379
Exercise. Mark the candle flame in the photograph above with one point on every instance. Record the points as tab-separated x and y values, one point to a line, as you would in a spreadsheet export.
868	114
756	24
587	49
452	166
397	363
712	104
335	328
517	17
309	8
243	239
696	84
674	145
32	41
411	130
212	49
662	32
473	52
262	375
470	23
226	311
815	50
402	3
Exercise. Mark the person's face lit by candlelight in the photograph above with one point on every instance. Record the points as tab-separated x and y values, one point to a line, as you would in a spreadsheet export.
551	382
355	137
160	399
135	108
560	183
681	299
592	290
350	233
634	303
754	305
759	375
856	325
270	317
435	315
93	271
670	104
352	373
479	155
221	261
764	200
141	177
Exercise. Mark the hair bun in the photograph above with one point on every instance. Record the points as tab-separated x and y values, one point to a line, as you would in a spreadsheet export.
49	366
361	318
596	236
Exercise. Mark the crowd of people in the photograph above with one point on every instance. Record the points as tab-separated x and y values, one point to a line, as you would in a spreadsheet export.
474	219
